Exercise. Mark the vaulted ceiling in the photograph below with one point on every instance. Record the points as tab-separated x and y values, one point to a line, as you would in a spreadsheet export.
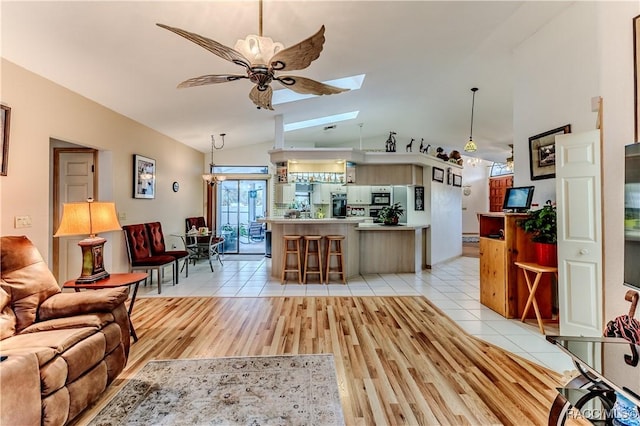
421	58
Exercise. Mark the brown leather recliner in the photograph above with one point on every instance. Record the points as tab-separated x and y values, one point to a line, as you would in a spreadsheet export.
69	346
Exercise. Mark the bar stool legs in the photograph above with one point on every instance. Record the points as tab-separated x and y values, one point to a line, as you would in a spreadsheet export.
312	249
334	249
291	245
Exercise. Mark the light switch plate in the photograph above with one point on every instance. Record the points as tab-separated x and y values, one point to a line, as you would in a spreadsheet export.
23	222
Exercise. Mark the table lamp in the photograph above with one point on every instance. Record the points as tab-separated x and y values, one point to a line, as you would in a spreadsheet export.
90	217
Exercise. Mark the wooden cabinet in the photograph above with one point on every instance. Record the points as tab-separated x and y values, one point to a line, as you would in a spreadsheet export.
502	284
388	174
285	193
497	188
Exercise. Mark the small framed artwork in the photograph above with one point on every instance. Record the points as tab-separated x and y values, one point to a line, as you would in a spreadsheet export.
418	193
457	180
5	119
437	174
144	177
542	153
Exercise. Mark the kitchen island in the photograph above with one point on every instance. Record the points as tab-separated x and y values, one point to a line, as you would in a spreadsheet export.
330	226
368	247
392	249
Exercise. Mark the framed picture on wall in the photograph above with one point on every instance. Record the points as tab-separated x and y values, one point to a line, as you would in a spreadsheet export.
457	180
437	174
5	118
542	153
418	193
144	177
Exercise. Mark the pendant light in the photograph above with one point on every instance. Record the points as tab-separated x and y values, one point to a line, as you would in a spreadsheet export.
210	177
471	145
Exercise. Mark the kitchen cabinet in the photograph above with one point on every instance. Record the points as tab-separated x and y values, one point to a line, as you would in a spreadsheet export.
357	194
380	189
284	193
322	192
389	174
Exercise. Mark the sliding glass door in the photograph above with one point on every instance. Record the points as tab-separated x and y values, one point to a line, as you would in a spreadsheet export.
240	204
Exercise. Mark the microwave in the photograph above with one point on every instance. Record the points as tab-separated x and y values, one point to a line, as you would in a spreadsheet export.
380	199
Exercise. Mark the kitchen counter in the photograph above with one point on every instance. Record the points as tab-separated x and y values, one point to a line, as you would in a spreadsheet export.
381	227
328	220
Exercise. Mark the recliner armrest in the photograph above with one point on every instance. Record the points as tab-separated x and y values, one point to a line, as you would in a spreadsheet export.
84	302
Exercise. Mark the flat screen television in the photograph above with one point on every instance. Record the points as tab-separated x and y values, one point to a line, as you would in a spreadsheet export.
518	199
632	216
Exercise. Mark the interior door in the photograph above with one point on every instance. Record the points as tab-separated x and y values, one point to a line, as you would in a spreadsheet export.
74	171
240	203
578	188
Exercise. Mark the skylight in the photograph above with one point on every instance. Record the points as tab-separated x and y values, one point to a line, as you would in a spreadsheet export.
282	96
320	121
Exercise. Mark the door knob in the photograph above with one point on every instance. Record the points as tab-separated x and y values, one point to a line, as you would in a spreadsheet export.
584	251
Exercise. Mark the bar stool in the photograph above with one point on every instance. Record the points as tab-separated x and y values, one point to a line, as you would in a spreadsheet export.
312	248
334	249
291	245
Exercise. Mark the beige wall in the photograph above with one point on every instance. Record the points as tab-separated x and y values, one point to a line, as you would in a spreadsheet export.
41	110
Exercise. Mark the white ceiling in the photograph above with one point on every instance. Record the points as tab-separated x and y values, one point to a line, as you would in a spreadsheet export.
421	58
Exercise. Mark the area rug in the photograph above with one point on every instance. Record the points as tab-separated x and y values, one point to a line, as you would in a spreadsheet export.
272	390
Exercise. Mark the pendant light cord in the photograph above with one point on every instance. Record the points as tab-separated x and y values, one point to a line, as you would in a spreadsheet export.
260	19
473	102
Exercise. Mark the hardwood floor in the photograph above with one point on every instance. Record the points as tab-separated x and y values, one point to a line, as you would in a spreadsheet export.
398	360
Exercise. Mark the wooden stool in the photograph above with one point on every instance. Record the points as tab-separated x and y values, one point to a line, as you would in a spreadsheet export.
334	248
312	251
538	270
288	249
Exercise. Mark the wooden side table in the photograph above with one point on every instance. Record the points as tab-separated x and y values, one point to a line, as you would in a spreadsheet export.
539	270
116	280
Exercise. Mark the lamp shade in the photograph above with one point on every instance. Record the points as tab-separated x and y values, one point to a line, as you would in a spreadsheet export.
88	218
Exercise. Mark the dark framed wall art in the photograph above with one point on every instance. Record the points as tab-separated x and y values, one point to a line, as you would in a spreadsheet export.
457	180
144	177
5	120
437	174
418	193
542	153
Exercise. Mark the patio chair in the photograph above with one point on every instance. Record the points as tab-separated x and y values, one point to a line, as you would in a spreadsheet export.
256	231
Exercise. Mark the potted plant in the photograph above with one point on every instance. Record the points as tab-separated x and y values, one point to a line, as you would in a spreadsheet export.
391	214
542	225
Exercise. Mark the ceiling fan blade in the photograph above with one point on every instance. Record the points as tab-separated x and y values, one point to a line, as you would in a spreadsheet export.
210	79
212	46
299	56
308	86
262	98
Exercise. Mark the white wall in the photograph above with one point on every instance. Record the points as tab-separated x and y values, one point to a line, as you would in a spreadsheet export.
445	233
41	111
478	201
588	51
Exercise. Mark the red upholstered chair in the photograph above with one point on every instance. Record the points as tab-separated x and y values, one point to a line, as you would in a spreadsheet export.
198	246
158	247
140	257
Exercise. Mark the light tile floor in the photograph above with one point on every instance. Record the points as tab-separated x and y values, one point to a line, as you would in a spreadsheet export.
452	286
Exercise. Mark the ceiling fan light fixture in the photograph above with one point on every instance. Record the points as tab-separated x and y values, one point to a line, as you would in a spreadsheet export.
258	49
471	145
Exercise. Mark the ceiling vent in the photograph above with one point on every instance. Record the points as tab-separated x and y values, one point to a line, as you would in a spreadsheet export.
333	126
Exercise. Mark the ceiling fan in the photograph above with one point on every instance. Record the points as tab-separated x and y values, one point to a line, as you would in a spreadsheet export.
262	58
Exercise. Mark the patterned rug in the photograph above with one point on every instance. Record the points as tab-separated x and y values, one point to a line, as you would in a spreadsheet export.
272	390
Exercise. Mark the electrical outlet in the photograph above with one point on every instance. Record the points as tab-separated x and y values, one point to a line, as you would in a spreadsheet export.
22	222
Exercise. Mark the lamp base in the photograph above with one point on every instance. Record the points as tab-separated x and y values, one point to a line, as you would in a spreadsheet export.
92	260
